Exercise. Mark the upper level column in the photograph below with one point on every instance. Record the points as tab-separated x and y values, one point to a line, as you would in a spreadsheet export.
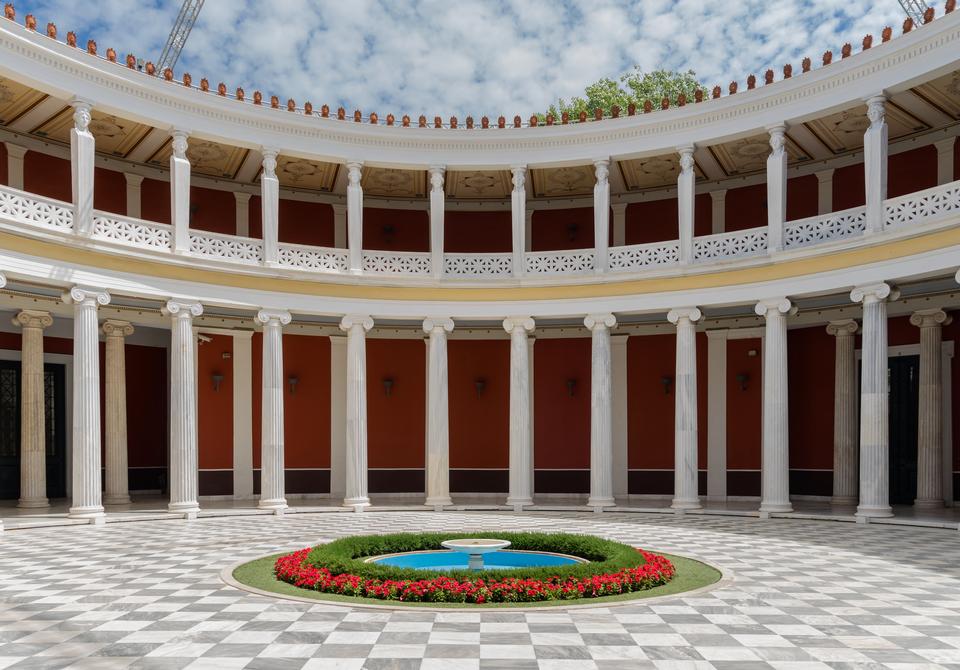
436	220
875	162
776	187
134	194
82	152
601	411
438	414
355	217
270	206
518	214
15	154
685	197
601	214
180	193
945	160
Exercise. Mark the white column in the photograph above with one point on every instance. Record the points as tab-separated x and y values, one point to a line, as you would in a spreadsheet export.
686	183
874	402
270	206
438	414
134	199
242	212
845	458
824	191
86	403
775	461
521	413
272	493
930	428
33	428
619	223
717	414
528	228
180	193
242	414
338	416
944	160
686	489
436	220
183	408
115	396
776	187
82	152
518	210
601	411
875	162
718	211
618	363
601	213
15	154
355	466
339	226
355	217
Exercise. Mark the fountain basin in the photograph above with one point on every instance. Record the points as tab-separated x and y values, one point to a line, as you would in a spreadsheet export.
491	559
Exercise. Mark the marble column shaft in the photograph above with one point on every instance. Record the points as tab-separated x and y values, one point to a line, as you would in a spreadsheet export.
115	396
930	427
518	213
845	456
180	193
775	461
601	411
82	155
270	207
183	408
601	214
686	486
436	220
686	195
356	327
272	490
521	448
355	217
33	429
875	148
438	414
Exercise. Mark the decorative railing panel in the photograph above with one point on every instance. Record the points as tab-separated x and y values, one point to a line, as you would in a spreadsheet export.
35	209
912	207
132	232
226	247
478	265
577	261
737	244
824	228
396	262
639	256
318	259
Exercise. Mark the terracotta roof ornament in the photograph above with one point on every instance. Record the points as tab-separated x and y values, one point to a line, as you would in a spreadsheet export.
733	87
405	121
150	68
681	100
274	102
787	71
927	15
716	92
501	121
907	25
257	98
549	119
357	116
291	105
52	30
647	106
71	39
390	119
751	82
517	122
615	111
112	55
886	34
453	122
30	22
583	116
484	122
168	74
374	119
437	122
469	122
422	121
949	6
131	61
565	118
805	65
187	79
240	94
631	109
845	51
222	89
308	108
533	121
598	114
768	77
827	57
9	12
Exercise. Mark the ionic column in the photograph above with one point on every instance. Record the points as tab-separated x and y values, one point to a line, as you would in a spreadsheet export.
930	431
339	226
438	423
183	408
115	397
134	193
242	213
686	183
824	191
436	220
86	403
355	217
718	211
875	162
874	402
686	488
845	459
775	463
15	154
518	209
270	206
180	193
601	411
355	467
82	152
619	223
272	495
776	187
944	160
601	214
33	463
521	448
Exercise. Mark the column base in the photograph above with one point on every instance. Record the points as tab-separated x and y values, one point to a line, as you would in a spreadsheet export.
869	511
518	502
928	503
116	500
358	504
776	507
276	505
187	509
598	501
32	503
438	501
91	512
843	501
685	504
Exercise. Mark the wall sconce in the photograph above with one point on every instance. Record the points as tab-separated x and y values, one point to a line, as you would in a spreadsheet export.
387	386
571	387
480	384
293	380
667	382
217	378
388	232
742	379
572	230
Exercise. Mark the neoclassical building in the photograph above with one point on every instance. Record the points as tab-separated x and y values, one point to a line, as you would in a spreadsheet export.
212	294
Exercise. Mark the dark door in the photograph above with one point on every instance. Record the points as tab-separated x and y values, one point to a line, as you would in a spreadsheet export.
55	411
904	385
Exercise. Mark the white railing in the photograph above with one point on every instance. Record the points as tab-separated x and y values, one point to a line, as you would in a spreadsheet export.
132	232
478	265
318	259
639	256
35	209
823	228
576	261
738	244
927	204
226	247
396	262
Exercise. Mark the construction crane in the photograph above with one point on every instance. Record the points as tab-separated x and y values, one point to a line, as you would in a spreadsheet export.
914	9
178	36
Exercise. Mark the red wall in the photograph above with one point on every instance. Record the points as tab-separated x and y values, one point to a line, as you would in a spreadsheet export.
911	171
212	210
811	354
147	413
306	223
561	422
744	406
746	207
650	411
256	217
551	229
410	229
396	435
477	232
848	189
802	197
956	159
658	220
109	191
479	426
215	425
155	200
47	175
3	164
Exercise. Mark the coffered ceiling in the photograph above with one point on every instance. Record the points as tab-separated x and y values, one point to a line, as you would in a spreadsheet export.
495	184
390	183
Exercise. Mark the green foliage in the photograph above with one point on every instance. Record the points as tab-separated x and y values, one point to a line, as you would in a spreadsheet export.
632	88
345	556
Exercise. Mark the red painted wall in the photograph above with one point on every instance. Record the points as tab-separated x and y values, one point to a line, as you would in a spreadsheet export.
561	422
306	223
746	207
911	171
801	197
256	217
3	165
47	175
215	425
811	354
396	229
658	220
147	402
900	332
848	188
396	425
956	159
650	411
952	332
213	211
744	406
477	232
479	426
552	229
109	191
155	200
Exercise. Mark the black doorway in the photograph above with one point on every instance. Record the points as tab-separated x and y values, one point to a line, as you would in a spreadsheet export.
904	384
55	410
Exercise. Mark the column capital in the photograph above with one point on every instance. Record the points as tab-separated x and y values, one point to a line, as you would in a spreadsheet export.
778	138
619	207
601	168
523	324
824	175
339	208
269	162
874	293
273	316
601	321
81	114
33	318
686	157
354	171
17	151
180	142
876	109
133	179
842	328
241	196
720	195
438	325
692	314
116	328
351	321
773	306
925	318
86	296
182	309
519	177
943	146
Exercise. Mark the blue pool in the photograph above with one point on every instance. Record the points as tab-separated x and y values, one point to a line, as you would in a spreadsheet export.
452	560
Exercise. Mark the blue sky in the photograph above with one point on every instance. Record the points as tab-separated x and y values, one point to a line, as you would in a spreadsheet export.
480	57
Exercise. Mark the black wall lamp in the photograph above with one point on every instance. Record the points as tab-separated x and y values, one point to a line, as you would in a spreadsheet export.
572	230
217	379
481	385
667	382
571	387
742	379
387	386
293	380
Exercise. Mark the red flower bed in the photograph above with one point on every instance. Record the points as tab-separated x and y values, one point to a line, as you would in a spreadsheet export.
294	569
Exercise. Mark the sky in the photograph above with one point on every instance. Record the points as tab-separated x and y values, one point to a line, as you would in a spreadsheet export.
438	57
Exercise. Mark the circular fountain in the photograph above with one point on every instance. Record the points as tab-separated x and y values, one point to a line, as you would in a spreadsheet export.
475	549
475	554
